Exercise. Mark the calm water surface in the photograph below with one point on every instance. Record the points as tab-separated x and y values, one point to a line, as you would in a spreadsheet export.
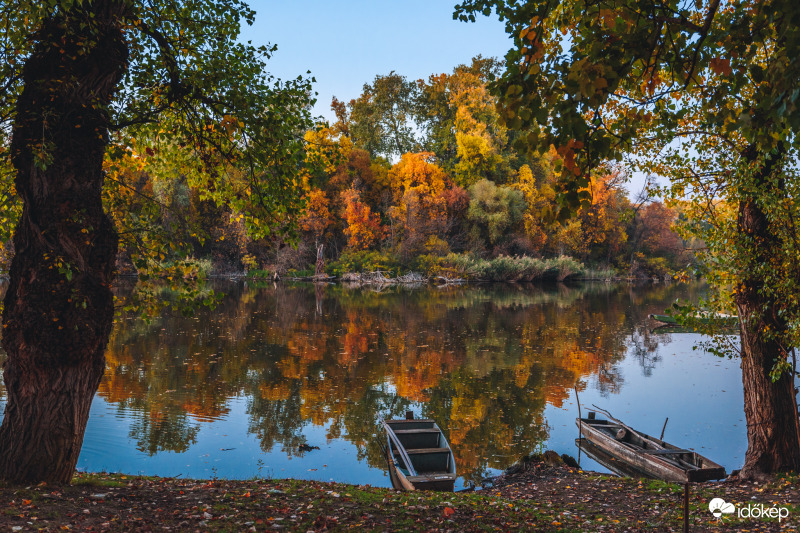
235	392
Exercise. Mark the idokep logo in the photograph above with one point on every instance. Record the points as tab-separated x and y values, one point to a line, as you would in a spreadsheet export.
719	507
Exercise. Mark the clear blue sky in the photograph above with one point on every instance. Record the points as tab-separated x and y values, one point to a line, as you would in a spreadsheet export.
347	43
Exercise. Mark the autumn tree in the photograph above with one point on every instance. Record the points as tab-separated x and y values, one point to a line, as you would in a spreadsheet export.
539	196
363	227
706	94
494	211
480	137
602	224
420	207
317	217
437	103
655	245
75	75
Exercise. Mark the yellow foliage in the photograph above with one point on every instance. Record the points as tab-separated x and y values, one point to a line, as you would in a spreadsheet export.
325	147
417	171
317	216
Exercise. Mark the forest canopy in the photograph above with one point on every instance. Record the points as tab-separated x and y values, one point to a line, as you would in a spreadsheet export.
412	175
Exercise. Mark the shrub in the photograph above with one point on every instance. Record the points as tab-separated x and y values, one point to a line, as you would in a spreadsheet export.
364	261
427	264
566	267
507	268
601	272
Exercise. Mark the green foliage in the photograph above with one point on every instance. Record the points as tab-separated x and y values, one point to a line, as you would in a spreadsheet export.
429	265
707	94
185	84
653	266
259	274
494	210
196	122
364	261
380	120
703	93
437	106
302	273
10	205
566	267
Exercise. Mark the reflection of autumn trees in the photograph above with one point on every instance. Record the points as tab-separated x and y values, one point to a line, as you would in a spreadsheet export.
482	361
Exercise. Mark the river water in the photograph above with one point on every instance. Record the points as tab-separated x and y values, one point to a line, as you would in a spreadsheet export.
242	390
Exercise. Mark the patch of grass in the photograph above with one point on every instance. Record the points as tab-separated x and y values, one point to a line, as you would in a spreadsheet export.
259	274
663	486
599	273
302	273
102	480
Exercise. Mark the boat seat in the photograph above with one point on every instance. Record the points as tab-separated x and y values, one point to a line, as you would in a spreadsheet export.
414	451
417	423
431	462
428	460
418	438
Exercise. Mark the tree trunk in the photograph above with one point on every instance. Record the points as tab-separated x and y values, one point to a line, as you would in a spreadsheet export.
319	268
773	430
59	306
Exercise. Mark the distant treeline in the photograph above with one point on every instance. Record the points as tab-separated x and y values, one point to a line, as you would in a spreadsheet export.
412	176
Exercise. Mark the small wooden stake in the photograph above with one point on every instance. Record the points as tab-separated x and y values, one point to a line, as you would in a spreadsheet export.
686	508
663	429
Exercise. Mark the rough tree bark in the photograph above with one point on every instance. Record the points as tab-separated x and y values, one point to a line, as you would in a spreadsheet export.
773	429
59	306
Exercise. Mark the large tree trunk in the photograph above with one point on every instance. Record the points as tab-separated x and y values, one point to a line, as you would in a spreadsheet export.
59	307
773	430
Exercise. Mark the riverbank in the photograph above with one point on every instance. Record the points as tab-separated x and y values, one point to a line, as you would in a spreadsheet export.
536	497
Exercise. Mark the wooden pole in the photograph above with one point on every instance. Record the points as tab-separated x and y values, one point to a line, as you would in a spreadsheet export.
686	508
664	428
579	424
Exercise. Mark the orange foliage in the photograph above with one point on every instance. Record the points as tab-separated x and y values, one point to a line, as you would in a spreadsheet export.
317	217
421	199
364	228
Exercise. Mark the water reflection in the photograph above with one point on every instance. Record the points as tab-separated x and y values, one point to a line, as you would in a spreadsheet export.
483	361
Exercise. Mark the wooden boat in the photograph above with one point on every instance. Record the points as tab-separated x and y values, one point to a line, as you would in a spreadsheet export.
723	321
648	455
418	455
664	319
598	454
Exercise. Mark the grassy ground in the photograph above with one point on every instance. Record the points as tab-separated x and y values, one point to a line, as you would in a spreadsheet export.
541	497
